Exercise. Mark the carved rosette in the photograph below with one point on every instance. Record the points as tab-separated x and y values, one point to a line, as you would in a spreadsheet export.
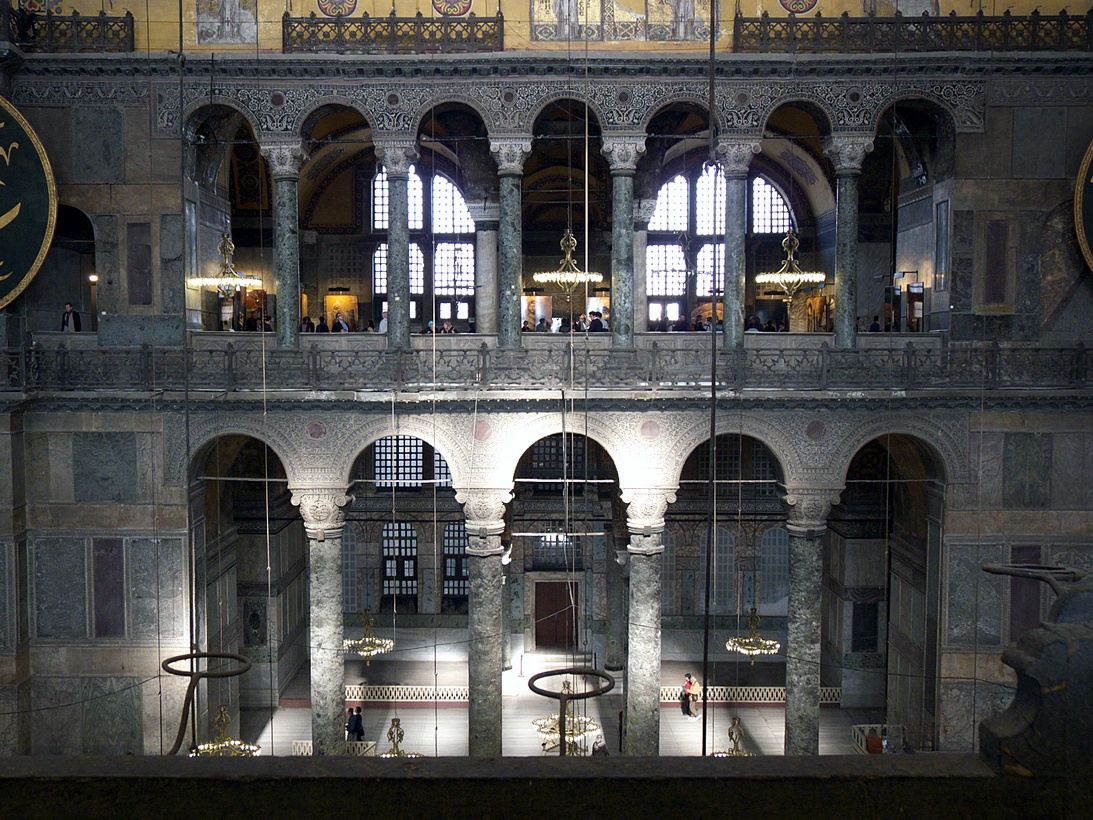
645	515
284	157
397	157
484	511
323	511
623	153
510	154
807	509
847	152
736	155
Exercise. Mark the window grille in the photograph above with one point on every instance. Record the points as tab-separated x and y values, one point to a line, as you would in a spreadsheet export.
774	571
455	560
398	461
399	545
769	211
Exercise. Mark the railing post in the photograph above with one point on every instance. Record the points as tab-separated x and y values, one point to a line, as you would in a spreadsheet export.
229	366
654	361
482	364
825	364
909	366
314	373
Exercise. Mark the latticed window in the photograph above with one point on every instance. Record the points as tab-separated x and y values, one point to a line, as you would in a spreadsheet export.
454	272
442	473
666	271
769	211
710	269
723	587
450	214
399	545
555	550
670	213
728	459
398	462
351	582
710	203
774	571
417	269
548	459
381	200
455	560
762	470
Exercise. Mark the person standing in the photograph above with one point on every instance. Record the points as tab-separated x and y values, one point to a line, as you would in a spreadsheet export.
356	725
322	327
70	320
340	325
383	323
685	696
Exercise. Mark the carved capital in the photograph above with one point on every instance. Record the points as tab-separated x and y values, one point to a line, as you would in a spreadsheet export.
284	157
645	511
397	157
322	510
807	509
736	154
510	154
484	511
623	153
847	152
644	210
486	215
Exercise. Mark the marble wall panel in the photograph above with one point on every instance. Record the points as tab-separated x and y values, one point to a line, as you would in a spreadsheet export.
9	735
111	716
7	596
974	616
963	706
104	467
156	581
515	581
428	589
99	146
1026	475
56	725
1033	128
1071	457
60	587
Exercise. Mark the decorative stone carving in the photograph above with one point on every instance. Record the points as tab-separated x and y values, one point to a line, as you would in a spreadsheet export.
623	152
807	509
397	156
736	154
847	151
511	153
484	510
322	510
285	157
645	510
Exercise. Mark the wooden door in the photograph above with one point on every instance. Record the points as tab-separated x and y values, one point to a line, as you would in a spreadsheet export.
555	613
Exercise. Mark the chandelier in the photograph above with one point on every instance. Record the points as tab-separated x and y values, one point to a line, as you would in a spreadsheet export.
576	727
368	645
224	746
753	644
790	278
394	736
568	276
229	280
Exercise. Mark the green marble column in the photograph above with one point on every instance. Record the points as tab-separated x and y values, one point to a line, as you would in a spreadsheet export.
397	157
847	153
510	153
285	159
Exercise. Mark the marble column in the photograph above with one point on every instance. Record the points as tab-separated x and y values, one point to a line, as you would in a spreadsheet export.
324	517
643	212
736	155
806	522
510	153
645	522
506	611
617	567
485	514
847	153
397	157
285	158
486	217
622	154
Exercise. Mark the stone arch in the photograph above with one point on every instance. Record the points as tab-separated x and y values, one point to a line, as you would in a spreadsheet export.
947	440
316	109
925	100
811	104
540	106
205	429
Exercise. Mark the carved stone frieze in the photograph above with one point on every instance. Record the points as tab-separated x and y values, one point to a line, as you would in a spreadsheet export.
56	93
511	153
1017	92
847	151
323	510
623	152
397	156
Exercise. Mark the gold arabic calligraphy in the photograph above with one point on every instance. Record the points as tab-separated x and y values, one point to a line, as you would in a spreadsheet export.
6	219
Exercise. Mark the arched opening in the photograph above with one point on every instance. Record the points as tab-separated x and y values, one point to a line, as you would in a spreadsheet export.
68	274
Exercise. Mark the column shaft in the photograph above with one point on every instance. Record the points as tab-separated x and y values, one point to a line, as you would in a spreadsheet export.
286	240
642	736
327	634
846	259
510	257
736	221
616	613
621	319
398	262
803	644
484	660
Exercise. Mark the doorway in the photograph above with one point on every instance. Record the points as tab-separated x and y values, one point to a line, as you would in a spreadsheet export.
555	614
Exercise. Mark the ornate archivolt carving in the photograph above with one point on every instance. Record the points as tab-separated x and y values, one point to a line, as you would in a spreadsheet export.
623	152
397	156
645	510
285	157
510	153
736	154
323	510
847	151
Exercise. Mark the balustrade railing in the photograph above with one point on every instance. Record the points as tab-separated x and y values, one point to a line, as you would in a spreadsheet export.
655	367
849	35
53	33
392	35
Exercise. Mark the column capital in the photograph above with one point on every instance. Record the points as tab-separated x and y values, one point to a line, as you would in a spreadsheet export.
644	210
322	509
623	152
807	509
736	154
397	155
486	215
484	510
285	157
510	153
847	151
645	513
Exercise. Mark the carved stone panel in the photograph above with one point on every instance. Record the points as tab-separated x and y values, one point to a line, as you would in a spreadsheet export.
104	468
974	597
60	587
111	716
1027	471
156	610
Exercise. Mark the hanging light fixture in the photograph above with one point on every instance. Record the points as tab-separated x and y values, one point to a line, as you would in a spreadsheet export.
790	278
228	281
753	643
368	645
394	736
576	727
224	746
569	275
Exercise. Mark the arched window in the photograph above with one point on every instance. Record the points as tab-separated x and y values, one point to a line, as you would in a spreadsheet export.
769	211
403	462
399	545
442	257
774	572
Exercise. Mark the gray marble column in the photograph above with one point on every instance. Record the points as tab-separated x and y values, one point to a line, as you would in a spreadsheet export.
806	523
736	155
397	157
506	618
645	521
643	212
486	217
324	516
617	567
285	158
485	514
847	153
622	154
510	153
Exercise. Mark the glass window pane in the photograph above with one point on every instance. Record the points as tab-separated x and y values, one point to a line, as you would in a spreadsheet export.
769	211
665	270
706	265
450	214
710	203
670	213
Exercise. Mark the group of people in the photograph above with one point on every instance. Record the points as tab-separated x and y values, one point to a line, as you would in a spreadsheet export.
689	697
354	725
756	325
339	324
683	325
593	322
430	328
874	327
